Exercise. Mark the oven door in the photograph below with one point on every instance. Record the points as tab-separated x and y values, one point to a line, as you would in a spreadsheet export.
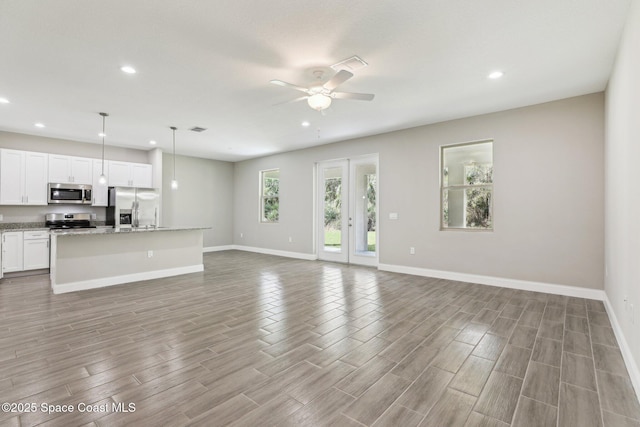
68	194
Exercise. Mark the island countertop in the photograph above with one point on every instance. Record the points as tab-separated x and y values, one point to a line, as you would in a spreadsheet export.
112	230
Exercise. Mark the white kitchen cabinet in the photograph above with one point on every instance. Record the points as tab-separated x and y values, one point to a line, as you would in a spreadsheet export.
35	250
119	174
142	175
23	177
100	191
126	174
70	169
12	253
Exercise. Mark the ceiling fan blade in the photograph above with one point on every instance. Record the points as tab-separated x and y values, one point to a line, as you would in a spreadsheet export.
356	96
292	86
340	77
291	101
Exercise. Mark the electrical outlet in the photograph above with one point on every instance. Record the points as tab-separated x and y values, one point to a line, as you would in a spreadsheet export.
149	254
290	239
241	235
412	251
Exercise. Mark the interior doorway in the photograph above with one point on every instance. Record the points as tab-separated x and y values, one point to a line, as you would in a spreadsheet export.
348	210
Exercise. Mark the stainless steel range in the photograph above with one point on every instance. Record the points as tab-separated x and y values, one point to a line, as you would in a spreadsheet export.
68	220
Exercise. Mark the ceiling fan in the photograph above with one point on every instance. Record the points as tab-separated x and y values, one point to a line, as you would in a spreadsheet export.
319	95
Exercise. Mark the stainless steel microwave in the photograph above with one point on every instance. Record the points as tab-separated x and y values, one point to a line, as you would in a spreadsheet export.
69	194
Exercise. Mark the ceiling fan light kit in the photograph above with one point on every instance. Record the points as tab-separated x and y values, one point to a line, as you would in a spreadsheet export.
319	95
319	101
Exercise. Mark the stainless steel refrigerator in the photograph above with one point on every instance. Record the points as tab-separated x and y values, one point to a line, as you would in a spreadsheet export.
133	207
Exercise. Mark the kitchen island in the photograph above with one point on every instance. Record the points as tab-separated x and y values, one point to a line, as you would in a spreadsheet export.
94	258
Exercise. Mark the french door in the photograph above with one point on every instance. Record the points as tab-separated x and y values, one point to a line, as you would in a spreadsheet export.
348	211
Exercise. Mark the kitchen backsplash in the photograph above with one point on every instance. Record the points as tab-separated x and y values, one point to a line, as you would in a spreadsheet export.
35	214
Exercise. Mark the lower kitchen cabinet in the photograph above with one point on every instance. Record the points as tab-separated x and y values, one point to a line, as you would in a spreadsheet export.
35	250
28	250
12	253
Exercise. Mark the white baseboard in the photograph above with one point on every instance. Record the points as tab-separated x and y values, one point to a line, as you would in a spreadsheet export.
127	278
627	355
296	255
524	285
217	248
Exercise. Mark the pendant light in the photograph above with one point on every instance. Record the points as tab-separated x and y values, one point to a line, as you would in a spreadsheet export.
174	183
103	178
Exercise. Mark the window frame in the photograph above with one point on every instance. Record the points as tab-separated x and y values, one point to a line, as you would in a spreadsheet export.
261	213
465	187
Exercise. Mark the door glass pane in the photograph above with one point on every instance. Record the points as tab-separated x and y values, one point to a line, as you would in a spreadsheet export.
364	222
372	191
333	209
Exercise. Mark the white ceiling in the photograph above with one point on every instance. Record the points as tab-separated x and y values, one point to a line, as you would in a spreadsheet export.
209	63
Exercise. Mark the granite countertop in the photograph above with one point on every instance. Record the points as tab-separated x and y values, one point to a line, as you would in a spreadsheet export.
23	226
111	230
8	230
33	226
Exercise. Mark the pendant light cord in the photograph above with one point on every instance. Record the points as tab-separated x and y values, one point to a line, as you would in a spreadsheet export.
104	115
173	128
103	145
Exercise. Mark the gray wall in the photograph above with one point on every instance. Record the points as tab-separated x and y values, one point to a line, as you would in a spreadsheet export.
548	193
622	193
19	141
204	197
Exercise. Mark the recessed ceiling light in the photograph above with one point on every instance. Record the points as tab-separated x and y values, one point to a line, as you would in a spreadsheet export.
305	124
4	101
496	75
152	142
128	69
39	125
101	134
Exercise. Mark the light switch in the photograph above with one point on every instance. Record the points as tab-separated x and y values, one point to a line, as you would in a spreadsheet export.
393	215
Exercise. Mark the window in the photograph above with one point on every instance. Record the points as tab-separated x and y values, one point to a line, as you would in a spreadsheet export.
467	186
269	195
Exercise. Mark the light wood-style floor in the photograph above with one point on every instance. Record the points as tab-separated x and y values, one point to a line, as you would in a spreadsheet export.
258	340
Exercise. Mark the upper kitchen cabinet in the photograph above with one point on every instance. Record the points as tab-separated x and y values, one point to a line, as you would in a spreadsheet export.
100	191
23	177
125	174
70	170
